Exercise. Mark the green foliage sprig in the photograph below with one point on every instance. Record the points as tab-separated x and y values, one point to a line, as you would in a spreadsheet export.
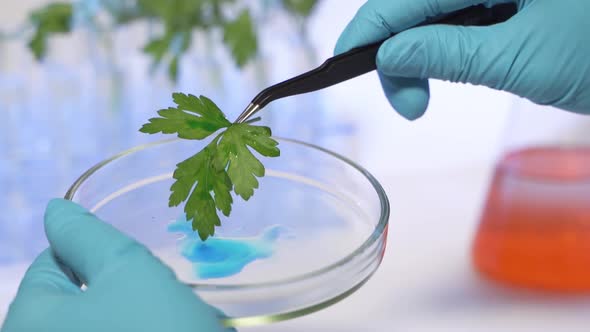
179	19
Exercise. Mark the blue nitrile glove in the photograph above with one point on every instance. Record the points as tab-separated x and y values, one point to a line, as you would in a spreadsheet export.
128	289
542	53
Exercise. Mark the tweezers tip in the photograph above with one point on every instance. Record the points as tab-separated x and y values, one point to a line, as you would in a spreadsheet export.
247	113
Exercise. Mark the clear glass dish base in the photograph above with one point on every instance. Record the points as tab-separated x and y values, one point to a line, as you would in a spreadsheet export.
313	233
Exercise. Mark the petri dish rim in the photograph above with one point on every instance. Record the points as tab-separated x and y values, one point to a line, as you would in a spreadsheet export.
375	236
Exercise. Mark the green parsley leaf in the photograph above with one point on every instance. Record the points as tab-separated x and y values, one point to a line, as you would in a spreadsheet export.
202	172
52	19
205	180
194	118
243	167
241	39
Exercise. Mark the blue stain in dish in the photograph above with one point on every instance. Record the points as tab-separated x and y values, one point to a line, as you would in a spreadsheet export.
223	257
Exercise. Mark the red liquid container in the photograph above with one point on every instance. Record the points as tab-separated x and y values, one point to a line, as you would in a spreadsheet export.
535	228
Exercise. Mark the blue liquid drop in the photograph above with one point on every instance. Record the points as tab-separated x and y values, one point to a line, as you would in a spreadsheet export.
223	257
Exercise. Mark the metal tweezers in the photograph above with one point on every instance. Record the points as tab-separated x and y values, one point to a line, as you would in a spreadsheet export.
362	60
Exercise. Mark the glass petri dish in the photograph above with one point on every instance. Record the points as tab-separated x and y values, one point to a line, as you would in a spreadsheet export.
318	223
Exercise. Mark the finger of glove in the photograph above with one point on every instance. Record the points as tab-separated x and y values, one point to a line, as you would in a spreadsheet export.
377	20
408	96
42	289
476	55
48	276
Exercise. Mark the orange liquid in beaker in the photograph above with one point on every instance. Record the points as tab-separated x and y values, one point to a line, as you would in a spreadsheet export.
535	229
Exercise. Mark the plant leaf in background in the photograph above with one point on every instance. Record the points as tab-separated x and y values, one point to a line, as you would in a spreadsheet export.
171	45
52	19
179	19
300	7
241	38
158	47
122	11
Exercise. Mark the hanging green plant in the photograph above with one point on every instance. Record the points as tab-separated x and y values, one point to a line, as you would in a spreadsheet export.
179	19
